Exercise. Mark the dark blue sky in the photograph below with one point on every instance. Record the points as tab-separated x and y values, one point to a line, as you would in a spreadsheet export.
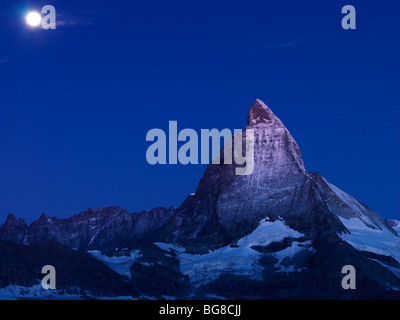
76	102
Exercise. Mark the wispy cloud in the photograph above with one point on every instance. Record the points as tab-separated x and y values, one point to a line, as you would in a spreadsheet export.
67	20
4	60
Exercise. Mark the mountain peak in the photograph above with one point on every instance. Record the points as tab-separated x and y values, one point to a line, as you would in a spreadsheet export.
11	218
43	217
274	145
259	113
13	221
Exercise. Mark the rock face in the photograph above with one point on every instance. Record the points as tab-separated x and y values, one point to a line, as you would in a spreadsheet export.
233	205
279	232
394	224
107	228
14	229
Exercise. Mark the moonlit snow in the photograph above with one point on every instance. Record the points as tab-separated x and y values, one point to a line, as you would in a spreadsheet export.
240	259
120	264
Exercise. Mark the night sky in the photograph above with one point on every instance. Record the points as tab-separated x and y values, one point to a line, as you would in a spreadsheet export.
76	102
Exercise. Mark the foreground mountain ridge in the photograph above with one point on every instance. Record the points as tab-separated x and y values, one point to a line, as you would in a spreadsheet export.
281	229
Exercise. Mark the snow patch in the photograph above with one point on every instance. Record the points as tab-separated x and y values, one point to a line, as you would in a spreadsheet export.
203	268
120	264
15	292
363	238
240	260
290	252
358	224
268	232
147	264
169	246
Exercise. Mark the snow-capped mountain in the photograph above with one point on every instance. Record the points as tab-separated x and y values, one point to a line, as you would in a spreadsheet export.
280	232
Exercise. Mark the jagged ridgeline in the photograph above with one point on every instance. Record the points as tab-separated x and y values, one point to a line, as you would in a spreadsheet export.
281	232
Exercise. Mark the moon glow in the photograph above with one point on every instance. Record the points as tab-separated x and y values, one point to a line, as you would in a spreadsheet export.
33	19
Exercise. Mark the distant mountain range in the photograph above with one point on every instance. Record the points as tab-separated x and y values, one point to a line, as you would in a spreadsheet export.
281	232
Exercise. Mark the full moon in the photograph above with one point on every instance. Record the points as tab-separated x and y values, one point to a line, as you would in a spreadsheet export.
33	19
